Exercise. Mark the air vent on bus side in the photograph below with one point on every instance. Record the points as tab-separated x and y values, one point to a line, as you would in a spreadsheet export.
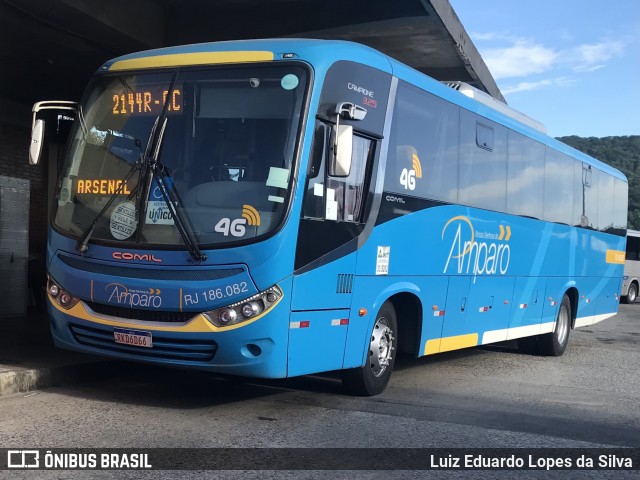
345	283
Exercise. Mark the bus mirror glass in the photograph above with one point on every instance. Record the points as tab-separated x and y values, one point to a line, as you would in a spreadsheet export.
37	137
340	165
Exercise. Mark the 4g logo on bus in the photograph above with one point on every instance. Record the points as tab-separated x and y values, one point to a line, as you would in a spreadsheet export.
236	227
477	252
408	176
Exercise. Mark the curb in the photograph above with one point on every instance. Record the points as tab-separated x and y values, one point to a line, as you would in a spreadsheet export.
28	379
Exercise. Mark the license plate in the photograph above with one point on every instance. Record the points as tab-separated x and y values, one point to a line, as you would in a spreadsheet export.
136	338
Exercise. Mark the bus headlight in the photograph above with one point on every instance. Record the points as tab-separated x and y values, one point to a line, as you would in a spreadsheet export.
251	309
60	295
227	316
247	309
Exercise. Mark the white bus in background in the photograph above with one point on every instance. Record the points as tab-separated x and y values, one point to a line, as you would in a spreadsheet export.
631	278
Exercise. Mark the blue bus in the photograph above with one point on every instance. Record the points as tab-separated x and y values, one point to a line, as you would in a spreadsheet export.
275	208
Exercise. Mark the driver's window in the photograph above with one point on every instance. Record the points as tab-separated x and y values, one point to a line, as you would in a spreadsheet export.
336	198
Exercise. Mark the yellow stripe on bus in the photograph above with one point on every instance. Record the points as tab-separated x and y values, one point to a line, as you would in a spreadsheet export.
198	324
185	59
446	344
615	256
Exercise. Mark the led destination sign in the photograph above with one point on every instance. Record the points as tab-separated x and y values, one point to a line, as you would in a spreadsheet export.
102	187
147	100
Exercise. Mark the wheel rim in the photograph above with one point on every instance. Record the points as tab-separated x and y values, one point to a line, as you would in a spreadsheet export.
632	293
563	325
381	347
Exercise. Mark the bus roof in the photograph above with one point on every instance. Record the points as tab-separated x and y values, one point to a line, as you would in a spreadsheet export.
326	52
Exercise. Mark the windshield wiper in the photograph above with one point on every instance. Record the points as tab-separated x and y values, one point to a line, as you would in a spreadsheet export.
155	169
172	199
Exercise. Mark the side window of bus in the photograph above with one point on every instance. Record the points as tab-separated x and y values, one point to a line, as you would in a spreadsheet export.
605	203
525	182
336	198
313	206
423	146
345	195
633	248
559	188
589	194
621	192
483	163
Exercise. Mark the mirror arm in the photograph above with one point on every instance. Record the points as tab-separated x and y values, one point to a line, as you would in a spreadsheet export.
335	137
52	105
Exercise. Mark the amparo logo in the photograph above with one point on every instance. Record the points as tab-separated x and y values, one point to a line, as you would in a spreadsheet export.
476	252
123	295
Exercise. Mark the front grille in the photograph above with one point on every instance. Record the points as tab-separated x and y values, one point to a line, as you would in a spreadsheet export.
163	346
144	315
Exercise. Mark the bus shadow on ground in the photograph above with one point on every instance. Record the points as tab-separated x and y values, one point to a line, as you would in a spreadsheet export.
165	387
151	385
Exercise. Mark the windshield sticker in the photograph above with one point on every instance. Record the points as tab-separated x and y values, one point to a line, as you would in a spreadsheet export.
289	81
123	221
158	212
278	177
276	199
235	228
331	210
238	227
318	190
251	215
382	260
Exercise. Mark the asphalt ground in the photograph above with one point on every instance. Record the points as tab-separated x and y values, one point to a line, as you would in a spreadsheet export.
492	397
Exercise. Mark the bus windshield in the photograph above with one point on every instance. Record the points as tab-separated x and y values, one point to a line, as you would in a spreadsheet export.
227	151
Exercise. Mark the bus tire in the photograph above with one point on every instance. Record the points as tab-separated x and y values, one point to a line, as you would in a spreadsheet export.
551	344
632	294
555	343
372	378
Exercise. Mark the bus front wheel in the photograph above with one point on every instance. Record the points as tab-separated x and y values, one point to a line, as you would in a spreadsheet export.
372	378
555	343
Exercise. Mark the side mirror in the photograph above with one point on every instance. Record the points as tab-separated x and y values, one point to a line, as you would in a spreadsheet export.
340	164
37	138
37	129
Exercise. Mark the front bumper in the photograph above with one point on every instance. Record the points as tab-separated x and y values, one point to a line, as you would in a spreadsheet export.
256	349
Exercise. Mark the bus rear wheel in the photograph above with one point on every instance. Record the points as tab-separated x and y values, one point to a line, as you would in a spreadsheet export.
372	378
632	294
555	343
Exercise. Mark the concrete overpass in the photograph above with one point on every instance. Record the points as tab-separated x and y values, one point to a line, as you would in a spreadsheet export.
50	49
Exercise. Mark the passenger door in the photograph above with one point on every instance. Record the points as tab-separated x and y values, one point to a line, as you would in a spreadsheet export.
333	217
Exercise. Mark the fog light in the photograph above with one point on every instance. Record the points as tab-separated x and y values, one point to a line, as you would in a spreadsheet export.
227	315
53	290
65	299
